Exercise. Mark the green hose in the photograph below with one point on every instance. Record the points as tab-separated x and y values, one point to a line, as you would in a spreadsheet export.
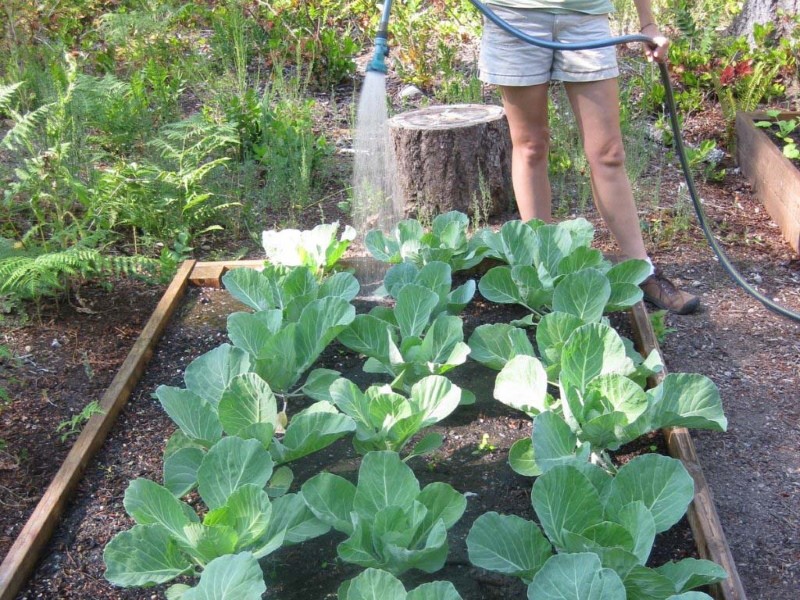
676	134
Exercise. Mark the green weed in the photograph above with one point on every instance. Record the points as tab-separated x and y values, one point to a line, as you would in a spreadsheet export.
73	426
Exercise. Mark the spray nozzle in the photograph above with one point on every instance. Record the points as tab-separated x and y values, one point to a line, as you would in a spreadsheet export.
378	62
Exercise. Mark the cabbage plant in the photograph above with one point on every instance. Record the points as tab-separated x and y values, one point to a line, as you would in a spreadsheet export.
374	583
245	407
415	338
229	577
437	277
552	267
602	530
447	242
170	539
386	420
602	403
318	249
391	524
295	319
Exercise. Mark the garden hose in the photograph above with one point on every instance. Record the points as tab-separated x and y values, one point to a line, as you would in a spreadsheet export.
676	134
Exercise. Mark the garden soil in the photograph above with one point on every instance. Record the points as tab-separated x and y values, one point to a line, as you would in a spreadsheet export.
67	354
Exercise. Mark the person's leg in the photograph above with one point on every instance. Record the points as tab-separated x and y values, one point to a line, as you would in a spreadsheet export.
596	108
526	110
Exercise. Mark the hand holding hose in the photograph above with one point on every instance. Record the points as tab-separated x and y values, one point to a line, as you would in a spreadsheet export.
660	52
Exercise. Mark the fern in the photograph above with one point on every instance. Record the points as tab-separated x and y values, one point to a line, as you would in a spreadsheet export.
745	96
697	25
33	274
21	135
684	20
7	93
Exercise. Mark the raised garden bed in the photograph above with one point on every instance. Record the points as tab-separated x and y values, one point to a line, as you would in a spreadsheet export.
489	418
775	178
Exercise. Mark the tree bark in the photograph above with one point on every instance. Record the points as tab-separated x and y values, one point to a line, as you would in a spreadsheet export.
455	157
763	11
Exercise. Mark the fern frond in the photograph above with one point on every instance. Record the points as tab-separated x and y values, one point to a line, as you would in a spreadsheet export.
22	133
684	20
28	275
94	94
6	93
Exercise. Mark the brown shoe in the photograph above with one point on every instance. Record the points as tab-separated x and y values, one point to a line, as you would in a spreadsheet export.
662	292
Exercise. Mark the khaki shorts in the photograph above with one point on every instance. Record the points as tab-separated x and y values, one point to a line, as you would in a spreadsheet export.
507	60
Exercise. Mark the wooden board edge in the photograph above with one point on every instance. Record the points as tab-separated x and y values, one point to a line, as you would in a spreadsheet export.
209	273
757	155
702	513
24	553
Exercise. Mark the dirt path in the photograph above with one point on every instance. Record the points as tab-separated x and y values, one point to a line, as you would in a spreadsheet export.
753	355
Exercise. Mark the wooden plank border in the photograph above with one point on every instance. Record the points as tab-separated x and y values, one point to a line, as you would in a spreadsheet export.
209	274
702	513
24	554
775	179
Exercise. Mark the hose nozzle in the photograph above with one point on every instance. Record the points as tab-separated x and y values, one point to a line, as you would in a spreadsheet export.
378	62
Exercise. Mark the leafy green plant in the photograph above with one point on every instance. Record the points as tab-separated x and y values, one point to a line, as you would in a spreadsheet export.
704	160
783	130
295	319
741	87
246	408
425	33
318	249
485	446
288	149
602	402
6	357
386	420
380	584
29	274
326	37
170	539
446	242
602	529
230	576
192	149
417	337
552	267
658	321
437	277
391	524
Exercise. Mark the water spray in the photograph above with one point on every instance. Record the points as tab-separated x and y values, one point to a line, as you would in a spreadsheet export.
376	199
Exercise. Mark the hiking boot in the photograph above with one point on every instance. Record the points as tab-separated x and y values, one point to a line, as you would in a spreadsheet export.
662	292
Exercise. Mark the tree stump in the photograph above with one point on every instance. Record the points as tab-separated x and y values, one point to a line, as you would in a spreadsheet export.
454	157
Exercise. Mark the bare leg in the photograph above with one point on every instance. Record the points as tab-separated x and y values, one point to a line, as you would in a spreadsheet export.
596	108
526	110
